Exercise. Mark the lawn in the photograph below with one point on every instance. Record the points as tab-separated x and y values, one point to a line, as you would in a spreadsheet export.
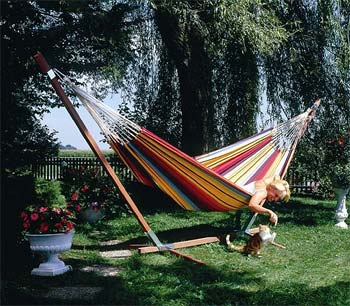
314	269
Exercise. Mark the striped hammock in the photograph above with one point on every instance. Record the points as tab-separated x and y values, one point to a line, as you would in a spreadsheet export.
218	181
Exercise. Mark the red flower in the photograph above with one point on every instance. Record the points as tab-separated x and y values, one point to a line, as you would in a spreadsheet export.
46	220
70	226
26	224
84	188
75	196
341	140
34	216
77	207
58	225
44	227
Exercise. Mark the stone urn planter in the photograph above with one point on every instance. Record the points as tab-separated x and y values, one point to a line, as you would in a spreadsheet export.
50	246
341	212
91	215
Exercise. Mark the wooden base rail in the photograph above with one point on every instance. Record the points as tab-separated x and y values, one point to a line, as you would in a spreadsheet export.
172	247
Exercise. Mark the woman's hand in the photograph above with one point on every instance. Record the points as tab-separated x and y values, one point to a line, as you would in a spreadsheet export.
273	217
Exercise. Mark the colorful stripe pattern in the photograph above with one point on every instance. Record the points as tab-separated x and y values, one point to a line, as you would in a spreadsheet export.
249	160
190	184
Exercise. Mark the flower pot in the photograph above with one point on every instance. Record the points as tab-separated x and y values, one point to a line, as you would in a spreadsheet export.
341	212
49	246
91	215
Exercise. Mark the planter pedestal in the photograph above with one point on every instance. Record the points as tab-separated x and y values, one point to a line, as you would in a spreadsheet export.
341	212
49	246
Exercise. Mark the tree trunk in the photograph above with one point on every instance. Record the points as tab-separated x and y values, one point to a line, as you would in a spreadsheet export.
186	47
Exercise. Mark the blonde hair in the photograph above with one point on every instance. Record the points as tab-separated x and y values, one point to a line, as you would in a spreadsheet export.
282	186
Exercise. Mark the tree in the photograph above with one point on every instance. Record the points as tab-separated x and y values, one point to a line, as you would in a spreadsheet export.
313	63
79	37
204	40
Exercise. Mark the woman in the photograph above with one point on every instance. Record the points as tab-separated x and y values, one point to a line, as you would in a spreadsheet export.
272	189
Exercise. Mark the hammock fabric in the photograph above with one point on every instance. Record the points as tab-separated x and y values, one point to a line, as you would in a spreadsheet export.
217	181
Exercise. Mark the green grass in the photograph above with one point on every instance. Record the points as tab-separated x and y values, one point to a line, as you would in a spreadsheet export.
314	269
82	153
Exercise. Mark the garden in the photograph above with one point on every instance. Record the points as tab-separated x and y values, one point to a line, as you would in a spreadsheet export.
209	97
313	269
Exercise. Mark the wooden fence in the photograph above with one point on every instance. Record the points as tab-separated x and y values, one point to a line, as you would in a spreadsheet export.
52	169
303	183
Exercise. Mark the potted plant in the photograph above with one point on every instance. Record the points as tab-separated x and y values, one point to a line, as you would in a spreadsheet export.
338	170
49	228
90	193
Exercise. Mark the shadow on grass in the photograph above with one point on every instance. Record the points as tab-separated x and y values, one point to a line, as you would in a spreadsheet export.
202	285
297	212
301	212
171	282
168	236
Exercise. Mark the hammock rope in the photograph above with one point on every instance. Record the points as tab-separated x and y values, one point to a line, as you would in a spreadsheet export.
220	180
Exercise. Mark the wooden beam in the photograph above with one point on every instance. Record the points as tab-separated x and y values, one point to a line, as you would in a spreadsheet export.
178	245
188	257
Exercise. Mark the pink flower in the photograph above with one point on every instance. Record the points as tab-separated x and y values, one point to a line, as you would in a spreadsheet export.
34	216
94	204
43	209
75	196
24	215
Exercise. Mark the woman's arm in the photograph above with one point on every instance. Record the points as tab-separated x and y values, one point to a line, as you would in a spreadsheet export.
256	205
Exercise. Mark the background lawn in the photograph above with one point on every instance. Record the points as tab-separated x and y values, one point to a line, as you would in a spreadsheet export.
314	269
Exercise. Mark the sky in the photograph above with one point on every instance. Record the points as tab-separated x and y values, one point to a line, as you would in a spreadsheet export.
58	119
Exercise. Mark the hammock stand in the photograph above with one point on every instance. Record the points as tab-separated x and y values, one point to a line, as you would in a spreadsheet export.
158	246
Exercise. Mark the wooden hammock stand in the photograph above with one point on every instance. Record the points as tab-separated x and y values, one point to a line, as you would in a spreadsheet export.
158	246
143	249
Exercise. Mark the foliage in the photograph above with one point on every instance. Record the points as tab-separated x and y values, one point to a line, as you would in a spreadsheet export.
337	159
199	50
48	193
84	153
48	214
313	63
87	188
46	220
192	71
92	31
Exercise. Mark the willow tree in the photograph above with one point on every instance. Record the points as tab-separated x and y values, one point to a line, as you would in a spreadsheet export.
228	55
313	63
214	47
